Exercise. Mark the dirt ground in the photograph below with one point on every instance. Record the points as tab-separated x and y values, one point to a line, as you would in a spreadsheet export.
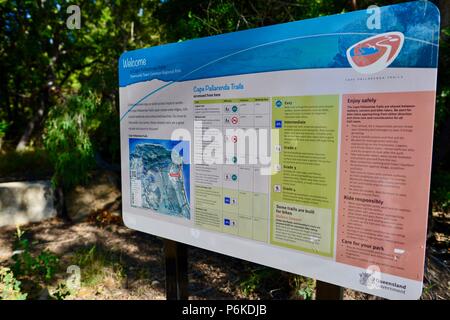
211	275
132	263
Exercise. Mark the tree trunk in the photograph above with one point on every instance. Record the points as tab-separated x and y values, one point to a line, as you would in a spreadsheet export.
61	206
441	153
25	139
444	7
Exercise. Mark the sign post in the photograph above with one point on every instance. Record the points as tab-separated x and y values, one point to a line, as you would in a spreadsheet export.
175	256
328	291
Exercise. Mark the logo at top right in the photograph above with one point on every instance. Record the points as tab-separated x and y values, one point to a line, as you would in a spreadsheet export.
376	53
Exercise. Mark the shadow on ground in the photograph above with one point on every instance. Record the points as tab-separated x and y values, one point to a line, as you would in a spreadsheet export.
138	256
139	261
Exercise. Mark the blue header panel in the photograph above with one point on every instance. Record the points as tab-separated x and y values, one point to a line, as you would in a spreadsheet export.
307	44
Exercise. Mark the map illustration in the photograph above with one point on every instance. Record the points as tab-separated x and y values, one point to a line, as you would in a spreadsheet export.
159	179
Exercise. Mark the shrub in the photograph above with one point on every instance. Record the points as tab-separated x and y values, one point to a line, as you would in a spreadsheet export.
44	266
303	287
99	263
264	281
9	286
3	128
440	191
67	139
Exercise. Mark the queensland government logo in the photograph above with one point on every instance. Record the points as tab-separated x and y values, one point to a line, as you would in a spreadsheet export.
375	53
371	277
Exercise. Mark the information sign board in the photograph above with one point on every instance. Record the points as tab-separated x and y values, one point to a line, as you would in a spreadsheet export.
303	146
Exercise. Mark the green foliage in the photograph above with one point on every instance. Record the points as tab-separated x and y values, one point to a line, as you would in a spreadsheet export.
303	287
443	93
442	103
43	266
262	280
305	293
32	270
61	292
9	286
42	60
46	264
106	137
30	163
98	263
440	191
74	131
3	127
67	139
249	285
191	19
